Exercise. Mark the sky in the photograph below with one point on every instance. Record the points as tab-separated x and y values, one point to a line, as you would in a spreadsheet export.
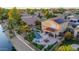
39	3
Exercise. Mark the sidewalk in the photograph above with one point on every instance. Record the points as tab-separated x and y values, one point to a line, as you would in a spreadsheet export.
27	44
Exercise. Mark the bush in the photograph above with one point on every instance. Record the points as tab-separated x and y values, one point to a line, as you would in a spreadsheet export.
65	48
30	36
68	35
38	24
38	46
38	27
18	32
78	49
11	34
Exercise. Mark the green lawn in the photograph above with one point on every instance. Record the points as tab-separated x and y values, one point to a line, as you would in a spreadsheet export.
66	45
65	48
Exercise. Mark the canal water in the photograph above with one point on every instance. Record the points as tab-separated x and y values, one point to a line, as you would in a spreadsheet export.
5	44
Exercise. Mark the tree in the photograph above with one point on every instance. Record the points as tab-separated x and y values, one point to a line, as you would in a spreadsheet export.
1	13
49	14
61	10
14	18
68	35
31	11
38	24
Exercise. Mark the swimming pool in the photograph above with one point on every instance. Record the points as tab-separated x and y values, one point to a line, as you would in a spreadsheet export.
5	44
37	35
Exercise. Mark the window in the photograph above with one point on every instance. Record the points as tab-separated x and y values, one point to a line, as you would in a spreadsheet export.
77	32
74	21
71	20
78	21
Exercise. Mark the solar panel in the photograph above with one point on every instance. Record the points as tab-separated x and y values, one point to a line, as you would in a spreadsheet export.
59	20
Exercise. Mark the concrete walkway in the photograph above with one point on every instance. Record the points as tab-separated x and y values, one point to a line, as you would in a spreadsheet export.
20	44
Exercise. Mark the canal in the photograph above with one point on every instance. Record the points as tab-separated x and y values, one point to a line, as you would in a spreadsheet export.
5	44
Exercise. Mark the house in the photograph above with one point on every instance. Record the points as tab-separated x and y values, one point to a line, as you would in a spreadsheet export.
71	17
30	20
76	31
74	22
54	26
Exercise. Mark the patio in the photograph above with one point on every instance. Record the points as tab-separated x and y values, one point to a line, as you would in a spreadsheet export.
46	39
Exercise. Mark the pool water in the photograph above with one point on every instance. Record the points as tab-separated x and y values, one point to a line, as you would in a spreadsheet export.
37	35
5	44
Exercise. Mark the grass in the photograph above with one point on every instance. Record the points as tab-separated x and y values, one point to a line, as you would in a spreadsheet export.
66	45
71	41
65	48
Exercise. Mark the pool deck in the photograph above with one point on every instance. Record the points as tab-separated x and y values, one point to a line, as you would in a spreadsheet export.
51	40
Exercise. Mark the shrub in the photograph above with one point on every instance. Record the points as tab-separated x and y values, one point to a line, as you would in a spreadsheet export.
38	46
65	48
68	35
78	49
30	36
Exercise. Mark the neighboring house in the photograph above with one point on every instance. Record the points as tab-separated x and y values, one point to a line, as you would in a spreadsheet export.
76	31
24	14
30	20
74	22
71	17
54	26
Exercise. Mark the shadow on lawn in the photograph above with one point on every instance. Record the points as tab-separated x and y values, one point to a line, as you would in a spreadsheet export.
69	42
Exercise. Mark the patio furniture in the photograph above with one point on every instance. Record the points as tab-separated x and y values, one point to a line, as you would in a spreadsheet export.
50	34
46	40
